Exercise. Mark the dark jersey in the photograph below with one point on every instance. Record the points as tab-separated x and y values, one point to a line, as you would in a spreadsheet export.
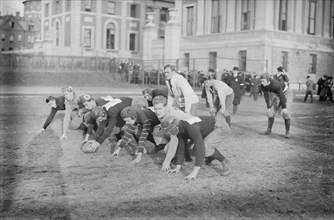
276	87
113	119
60	103
157	92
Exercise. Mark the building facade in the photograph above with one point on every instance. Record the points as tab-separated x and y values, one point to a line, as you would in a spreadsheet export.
110	28
17	33
255	35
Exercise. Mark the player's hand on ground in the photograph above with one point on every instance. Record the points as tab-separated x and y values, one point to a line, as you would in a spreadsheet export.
165	166
116	152
176	170
193	174
63	137
137	159
41	131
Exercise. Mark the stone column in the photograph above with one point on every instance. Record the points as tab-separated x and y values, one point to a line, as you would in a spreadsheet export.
98	30
319	19
231	11
291	16
207	17
200	14
76	32
172	37
298	17
265	16
326	31
150	34
123	49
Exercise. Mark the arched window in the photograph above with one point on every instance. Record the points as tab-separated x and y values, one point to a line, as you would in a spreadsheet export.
11	38
110	39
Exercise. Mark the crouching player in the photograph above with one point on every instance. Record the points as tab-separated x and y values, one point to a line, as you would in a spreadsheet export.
141	120
213	131
109	121
280	89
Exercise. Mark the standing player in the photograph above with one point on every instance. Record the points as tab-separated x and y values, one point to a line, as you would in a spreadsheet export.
220	98
142	120
278	88
309	88
56	104
237	83
180	93
213	131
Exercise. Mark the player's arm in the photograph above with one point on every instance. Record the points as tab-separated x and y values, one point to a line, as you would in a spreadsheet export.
67	119
50	118
111	125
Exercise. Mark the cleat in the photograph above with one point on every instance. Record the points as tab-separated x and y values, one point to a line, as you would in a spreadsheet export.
226	167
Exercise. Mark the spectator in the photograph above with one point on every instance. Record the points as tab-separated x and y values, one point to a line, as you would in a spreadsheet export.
320	84
310	86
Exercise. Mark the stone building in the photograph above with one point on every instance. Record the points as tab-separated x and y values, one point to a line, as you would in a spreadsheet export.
110	28
255	35
17	33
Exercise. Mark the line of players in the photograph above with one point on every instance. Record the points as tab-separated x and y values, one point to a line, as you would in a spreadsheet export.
168	121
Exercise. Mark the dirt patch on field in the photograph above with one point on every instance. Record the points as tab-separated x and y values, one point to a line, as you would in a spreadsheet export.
273	177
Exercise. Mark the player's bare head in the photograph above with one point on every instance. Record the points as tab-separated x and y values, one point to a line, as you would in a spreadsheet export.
265	79
87	101
51	101
129	115
159	99
68	92
99	113
169	71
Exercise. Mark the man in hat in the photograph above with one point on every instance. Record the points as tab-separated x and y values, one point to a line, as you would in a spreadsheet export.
149	94
278	88
220	98
237	83
56	104
206	134
180	93
254	86
309	88
73	118
144	122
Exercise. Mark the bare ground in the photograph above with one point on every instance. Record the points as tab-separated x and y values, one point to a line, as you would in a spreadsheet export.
273	177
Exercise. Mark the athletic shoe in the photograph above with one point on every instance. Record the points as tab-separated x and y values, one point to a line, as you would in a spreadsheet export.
267	132
287	134
226	167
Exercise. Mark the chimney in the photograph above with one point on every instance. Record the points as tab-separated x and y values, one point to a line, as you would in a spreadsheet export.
17	14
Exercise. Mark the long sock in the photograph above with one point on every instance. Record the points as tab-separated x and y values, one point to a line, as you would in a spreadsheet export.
228	120
217	156
287	124
159	147
235	109
270	123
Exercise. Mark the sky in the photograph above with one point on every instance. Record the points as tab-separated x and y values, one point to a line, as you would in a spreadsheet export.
11	7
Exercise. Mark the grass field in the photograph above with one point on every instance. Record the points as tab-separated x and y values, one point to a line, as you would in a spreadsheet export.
272	178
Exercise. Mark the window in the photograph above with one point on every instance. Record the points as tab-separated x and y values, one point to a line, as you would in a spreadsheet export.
30	27
3	37
187	60
111	7
164	14
110	44
311	17
11	38
149	9
190	21
19	37
57	7
313	63
133	11
46	12
215	17
88	5
11	24
245	19
213	60
132	42
87	38
285	60
283	11
243	59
